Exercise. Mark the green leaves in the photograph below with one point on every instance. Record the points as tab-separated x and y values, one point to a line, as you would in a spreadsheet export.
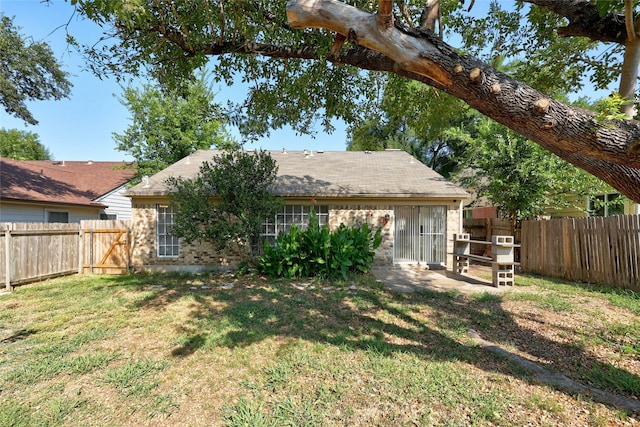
414	118
22	145
519	177
228	200
609	6
28	72
319	252
291	83
609	108
168	125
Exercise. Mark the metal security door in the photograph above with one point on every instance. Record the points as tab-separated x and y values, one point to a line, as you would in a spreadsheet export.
420	234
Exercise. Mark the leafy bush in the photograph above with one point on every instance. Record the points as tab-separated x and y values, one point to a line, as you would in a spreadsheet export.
319	252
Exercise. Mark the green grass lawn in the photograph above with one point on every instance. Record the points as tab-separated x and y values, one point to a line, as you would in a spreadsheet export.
219	350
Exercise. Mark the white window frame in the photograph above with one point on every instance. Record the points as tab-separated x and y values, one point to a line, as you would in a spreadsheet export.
606	198
167	245
293	214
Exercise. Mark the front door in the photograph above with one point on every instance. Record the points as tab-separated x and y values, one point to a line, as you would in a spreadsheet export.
420	234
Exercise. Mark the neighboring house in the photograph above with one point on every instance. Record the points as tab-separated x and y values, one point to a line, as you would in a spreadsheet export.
418	209
63	191
479	207
576	206
589	206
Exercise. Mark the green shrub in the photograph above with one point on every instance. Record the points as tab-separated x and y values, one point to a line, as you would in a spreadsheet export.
319	252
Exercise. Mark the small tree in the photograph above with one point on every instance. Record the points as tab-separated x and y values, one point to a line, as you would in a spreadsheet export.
227	202
167	125
21	145
519	177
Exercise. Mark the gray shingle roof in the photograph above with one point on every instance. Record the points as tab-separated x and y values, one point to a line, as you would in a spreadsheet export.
377	174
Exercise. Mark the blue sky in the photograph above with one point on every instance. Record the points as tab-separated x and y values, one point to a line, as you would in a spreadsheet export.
82	126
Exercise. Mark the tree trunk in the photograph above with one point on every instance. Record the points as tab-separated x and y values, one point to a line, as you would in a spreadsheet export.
629	73
610	151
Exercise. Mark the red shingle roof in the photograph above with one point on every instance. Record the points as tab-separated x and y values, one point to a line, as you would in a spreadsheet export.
74	183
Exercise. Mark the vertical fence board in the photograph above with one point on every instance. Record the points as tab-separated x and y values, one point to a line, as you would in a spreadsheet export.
5	255
595	250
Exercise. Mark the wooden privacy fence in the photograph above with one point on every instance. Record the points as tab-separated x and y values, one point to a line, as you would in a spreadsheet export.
32	251
36	251
595	250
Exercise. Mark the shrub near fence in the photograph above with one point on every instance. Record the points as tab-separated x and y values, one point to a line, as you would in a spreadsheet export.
37	251
595	250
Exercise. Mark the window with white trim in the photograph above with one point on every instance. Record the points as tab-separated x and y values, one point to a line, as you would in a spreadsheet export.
606	205
293	214
168	244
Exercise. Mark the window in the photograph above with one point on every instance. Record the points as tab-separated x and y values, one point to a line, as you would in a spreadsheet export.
168	245
293	214
105	216
57	216
606	205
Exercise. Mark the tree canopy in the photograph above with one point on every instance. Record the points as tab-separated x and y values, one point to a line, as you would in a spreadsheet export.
21	145
167	125
28	71
519	177
227	202
417	119
304	61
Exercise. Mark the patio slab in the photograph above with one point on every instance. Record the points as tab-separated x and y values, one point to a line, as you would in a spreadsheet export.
412	280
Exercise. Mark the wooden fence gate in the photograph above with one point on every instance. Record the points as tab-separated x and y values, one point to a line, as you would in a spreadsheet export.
106	246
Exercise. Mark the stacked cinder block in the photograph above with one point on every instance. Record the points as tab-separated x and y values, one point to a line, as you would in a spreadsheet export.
501	261
462	246
502	250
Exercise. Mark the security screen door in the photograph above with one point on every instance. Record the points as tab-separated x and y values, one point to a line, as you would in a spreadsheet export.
420	234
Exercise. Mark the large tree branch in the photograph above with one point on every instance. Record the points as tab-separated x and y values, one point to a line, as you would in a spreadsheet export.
610	151
585	21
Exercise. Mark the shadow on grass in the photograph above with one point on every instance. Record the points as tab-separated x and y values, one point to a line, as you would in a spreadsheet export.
430	324
18	335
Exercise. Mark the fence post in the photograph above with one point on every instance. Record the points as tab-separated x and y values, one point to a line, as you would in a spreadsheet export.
81	250
91	250
128	249
567	252
7	258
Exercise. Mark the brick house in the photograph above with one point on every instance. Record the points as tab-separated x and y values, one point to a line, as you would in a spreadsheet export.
418	209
